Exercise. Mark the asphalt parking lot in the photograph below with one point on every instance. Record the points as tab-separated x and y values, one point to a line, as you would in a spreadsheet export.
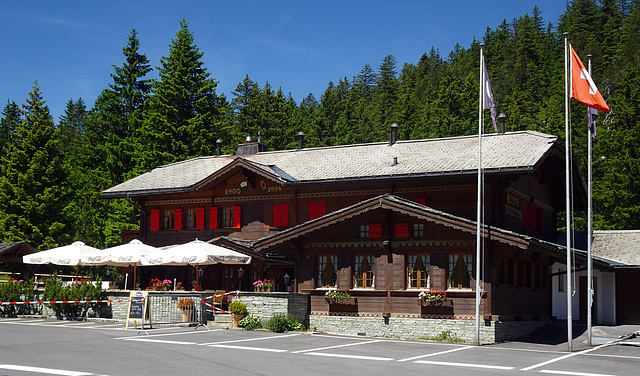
39	347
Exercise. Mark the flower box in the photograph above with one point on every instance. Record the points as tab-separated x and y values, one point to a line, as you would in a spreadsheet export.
436	308
342	301
343	305
263	285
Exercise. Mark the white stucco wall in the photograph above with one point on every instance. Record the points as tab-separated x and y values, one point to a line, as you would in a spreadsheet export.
604	289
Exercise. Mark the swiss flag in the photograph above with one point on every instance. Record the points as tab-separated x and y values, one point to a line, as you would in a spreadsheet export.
583	89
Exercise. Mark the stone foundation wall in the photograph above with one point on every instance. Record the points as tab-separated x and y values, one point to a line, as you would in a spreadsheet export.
423	328
267	304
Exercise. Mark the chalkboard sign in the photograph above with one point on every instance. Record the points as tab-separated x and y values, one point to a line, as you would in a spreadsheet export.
139	309
136	308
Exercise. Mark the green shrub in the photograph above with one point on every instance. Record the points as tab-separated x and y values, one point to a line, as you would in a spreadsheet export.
281	323
250	323
446	336
238	307
78	290
17	291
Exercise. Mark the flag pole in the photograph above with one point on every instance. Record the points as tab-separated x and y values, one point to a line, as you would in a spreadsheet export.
479	203
567	192
589	224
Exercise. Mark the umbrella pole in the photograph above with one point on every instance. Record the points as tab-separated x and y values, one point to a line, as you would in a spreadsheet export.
77	270
197	276
134	277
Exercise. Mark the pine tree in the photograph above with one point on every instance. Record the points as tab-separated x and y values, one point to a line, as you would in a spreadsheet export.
33	192
185	115
616	187
385	100
8	125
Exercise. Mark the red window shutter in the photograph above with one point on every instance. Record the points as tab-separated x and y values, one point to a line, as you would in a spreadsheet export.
530	217
402	230
317	210
276	216
200	219
421	200
178	220
539	219
375	231
281	215
213	218
155	220
237	223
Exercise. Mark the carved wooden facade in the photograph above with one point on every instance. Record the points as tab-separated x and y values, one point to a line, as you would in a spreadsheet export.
382	231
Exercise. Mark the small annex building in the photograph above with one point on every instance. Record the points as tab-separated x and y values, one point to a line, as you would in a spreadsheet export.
11	253
383	220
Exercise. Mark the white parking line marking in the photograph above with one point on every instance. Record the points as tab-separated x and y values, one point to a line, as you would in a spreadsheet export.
469	365
50	371
21	322
349	356
563	357
249	348
434	354
107	326
249	339
572	373
145	339
337	346
171	334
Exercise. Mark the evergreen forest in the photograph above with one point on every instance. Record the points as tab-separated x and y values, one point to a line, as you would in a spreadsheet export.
53	171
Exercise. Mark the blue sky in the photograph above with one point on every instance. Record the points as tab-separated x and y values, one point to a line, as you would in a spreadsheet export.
69	47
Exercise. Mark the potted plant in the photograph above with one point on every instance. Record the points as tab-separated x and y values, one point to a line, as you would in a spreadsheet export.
160	285
238	310
263	285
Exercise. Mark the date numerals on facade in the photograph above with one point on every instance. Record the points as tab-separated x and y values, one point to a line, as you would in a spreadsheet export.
275	188
232	191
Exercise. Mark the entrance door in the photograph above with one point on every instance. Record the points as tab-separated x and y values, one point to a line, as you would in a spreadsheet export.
583	301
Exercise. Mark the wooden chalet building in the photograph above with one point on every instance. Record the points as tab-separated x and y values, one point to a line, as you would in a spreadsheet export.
384	220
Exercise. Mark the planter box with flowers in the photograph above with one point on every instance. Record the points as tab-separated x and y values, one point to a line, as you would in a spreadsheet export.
341	301
160	285
435	303
263	285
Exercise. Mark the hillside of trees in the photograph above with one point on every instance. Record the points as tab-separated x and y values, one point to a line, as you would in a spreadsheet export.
52	172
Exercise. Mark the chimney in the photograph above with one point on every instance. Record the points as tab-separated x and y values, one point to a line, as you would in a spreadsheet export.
251	147
502	118
393	137
218	147
301	140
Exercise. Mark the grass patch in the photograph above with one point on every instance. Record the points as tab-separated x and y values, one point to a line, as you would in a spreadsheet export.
445	336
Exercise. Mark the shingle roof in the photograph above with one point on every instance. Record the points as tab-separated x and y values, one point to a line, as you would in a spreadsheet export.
622	246
445	156
16	248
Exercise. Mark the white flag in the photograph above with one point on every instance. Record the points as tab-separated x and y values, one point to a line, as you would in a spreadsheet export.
488	98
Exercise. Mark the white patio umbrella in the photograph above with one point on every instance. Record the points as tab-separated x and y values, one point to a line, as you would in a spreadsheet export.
196	253
68	255
119	255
